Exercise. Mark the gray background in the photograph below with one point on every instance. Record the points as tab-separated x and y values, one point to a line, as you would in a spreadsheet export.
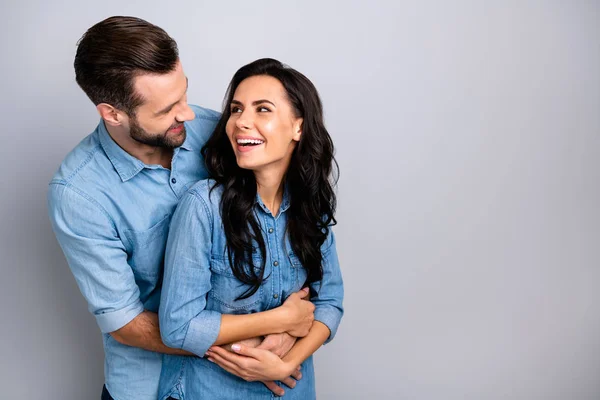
468	136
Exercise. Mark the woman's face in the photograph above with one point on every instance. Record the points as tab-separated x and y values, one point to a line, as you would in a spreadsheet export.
262	128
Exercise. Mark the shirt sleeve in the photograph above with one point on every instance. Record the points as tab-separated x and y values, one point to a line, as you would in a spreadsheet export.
95	255
329	290
184	321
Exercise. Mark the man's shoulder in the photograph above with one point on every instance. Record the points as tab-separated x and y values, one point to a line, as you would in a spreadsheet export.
86	169
80	159
205	113
202	126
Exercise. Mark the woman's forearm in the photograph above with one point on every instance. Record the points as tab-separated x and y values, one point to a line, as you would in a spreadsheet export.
246	326
307	345
294	316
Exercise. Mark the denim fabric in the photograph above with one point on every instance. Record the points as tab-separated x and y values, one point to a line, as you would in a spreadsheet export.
111	213
199	286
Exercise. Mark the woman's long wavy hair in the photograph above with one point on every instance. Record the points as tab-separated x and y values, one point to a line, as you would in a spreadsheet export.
310	178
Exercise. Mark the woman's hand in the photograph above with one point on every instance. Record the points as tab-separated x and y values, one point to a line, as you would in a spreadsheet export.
279	344
252	364
298	313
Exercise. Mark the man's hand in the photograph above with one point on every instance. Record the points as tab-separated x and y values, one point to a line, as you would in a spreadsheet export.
277	343
253	364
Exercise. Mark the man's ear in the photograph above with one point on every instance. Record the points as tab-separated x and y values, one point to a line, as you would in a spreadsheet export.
109	114
298	129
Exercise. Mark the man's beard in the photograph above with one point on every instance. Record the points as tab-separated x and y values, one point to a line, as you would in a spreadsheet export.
156	140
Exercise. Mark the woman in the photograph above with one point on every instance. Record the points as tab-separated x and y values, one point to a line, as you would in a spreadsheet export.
252	236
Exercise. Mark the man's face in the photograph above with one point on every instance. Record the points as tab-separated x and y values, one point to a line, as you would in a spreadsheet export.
158	122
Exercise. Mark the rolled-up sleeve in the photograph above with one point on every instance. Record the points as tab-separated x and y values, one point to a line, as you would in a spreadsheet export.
329	291
184	321
96	256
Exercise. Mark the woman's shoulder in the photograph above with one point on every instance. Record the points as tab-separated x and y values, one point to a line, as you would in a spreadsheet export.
209	191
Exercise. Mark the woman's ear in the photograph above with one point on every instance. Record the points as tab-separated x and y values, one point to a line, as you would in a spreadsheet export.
297	129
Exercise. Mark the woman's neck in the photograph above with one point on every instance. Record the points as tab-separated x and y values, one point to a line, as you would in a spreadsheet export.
269	185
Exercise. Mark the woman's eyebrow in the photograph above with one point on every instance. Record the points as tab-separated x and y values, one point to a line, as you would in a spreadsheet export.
254	103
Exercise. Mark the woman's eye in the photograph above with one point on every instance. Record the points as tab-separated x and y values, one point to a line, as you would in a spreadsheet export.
263	109
235	110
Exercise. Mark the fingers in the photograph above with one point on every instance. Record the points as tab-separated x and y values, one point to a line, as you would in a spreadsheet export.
273	387
303	293
297	375
246	351
289	382
225	364
269	342
239	361
238	349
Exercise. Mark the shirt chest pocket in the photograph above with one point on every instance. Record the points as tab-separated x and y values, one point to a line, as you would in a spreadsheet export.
299	273
146	249
226	289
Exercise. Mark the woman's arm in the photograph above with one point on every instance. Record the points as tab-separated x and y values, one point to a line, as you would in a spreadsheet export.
295	316
260	365
184	321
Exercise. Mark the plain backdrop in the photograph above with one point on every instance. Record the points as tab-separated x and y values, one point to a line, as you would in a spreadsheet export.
468	138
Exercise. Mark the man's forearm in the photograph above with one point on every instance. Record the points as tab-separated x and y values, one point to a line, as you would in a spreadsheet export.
143	332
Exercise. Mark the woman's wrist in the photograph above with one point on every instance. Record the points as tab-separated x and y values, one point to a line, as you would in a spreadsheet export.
287	369
291	362
279	321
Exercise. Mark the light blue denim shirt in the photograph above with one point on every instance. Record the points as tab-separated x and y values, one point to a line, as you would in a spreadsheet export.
199	286
111	215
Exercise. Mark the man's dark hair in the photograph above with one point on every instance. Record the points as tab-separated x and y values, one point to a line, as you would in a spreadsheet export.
114	51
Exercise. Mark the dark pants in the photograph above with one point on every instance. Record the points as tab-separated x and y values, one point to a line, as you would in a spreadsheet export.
105	394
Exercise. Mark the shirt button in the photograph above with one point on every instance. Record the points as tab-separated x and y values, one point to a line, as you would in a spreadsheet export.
270	230
275	263
173	180
275	296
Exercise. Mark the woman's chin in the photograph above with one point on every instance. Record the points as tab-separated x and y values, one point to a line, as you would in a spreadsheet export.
245	164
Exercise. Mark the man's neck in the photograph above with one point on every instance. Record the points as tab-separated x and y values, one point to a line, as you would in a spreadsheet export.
149	155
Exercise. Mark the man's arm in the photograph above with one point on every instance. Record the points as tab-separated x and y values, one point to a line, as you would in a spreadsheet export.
143	331
98	261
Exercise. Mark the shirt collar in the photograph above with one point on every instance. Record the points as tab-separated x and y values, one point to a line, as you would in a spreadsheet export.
126	165
285	202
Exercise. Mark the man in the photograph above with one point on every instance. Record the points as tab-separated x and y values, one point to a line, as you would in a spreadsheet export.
111	201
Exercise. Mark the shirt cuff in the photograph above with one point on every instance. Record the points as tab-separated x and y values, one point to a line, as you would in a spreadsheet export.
331	317
202	332
113	320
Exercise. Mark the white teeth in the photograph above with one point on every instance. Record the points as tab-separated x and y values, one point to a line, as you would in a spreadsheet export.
250	141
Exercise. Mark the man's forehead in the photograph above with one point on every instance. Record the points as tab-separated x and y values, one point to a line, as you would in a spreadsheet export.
159	90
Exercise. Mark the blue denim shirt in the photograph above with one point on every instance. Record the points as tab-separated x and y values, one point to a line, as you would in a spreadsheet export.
199	286
111	215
